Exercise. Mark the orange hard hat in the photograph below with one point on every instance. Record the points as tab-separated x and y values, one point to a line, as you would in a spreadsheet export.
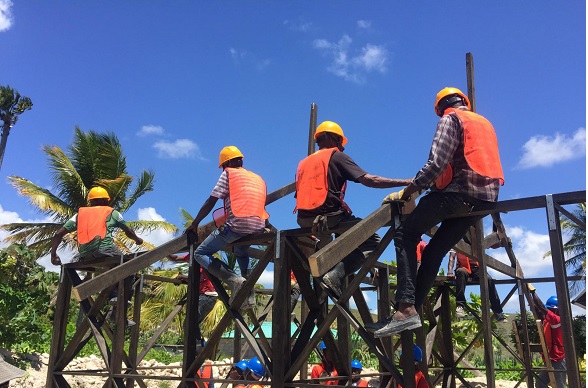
446	92
332	127
98	192
228	153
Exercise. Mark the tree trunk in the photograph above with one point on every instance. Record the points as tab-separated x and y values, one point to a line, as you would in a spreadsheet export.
4	140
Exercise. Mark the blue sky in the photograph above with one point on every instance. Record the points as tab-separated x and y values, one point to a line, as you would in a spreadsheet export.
177	81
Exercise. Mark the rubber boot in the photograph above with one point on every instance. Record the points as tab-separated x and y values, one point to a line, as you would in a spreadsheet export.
223	272
334	278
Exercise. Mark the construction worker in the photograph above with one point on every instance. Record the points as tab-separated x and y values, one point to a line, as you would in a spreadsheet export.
464	174
420	380
207	295
95	225
325	369
255	372
243	193
549	315
356	380
321	180
237	372
466	268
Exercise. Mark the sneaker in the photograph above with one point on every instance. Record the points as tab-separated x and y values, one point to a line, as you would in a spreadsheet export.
234	285
500	317
334	284
459	312
375	326
396	326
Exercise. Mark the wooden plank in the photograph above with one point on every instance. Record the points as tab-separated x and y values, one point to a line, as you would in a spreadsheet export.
133	266
326	258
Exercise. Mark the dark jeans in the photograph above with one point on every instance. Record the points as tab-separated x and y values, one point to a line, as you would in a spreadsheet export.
433	208
354	260
560	377
205	305
461	279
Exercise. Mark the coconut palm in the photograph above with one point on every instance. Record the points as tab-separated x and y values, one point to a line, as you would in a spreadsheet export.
93	159
12	105
575	247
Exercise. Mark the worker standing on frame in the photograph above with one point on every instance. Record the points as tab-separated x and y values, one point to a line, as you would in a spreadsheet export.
464	174
244	194
321	180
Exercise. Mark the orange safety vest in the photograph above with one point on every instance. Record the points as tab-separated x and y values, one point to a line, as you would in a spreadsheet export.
480	148
318	369
248	193
205	373
312	185
464	262
362	383
91	223
420	248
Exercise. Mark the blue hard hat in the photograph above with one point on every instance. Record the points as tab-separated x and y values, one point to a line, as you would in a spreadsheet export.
256	367
552	302
417	353
242	365
322	345
355	364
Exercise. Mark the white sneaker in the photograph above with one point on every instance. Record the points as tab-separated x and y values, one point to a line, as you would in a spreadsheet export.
459	312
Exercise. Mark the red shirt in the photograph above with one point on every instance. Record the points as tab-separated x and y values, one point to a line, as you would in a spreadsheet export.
205	283
555	349
420	248
317	370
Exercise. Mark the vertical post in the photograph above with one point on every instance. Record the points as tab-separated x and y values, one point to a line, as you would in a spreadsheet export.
281	313
134	344
563	295
526	347
478	252
191	323
312	127
59	328
470	80
304	310
449	365
383	289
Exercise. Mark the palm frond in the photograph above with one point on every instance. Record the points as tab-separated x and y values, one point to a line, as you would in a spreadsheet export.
42	199
66	178
150	226
36	235
186	217
144	185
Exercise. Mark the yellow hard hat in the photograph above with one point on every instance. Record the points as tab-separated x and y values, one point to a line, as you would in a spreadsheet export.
228	153
446	92
330	126
98	192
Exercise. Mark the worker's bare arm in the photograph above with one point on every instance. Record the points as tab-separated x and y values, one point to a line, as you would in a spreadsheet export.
381	182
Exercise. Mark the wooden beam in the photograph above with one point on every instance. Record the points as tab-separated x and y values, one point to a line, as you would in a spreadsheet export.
133	266
326	258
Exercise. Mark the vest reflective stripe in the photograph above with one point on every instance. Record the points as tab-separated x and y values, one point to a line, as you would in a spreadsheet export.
464	262
480	148
248	193
205	373
91	223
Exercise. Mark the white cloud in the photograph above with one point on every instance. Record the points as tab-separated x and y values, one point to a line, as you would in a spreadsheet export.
247	58
267	279
156	237
6	19
7	217
147	130
181	148
298	26
545	151
366	24
529	248
353	65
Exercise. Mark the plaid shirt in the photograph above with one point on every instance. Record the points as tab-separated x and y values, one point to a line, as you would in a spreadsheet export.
448	148
241	225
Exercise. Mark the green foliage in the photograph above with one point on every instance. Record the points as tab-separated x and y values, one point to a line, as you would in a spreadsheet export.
579	328
25	292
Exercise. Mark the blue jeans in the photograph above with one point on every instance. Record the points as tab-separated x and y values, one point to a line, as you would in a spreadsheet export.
433	208
216	241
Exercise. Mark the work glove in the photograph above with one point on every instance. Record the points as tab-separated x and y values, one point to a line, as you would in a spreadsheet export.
394	197
531	288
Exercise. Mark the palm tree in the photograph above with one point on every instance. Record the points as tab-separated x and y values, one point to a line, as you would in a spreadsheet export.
93	159
12	105
575	247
